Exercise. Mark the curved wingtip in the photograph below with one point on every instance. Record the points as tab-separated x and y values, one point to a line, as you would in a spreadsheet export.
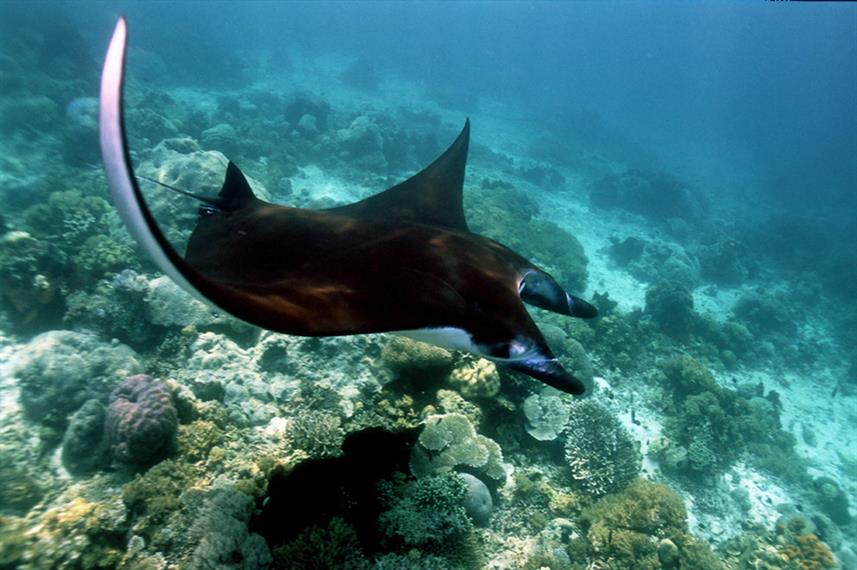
551	372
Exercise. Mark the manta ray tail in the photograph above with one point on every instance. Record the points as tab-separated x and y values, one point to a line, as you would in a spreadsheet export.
204	199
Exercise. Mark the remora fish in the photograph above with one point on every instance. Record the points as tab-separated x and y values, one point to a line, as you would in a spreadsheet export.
401	261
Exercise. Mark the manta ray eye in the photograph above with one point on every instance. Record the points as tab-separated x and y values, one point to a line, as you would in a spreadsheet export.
207	210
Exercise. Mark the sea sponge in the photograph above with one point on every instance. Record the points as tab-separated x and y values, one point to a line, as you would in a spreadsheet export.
450	440
476	378
141	421
601	453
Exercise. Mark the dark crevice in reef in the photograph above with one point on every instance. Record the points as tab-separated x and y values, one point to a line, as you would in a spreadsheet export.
314	492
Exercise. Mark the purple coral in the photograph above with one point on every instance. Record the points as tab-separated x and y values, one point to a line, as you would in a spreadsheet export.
141	421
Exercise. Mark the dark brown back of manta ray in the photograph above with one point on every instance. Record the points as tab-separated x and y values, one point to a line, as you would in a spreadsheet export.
399	260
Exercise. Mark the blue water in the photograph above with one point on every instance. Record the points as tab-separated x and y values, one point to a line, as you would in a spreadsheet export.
703	156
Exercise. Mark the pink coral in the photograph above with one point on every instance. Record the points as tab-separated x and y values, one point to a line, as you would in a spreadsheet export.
141	421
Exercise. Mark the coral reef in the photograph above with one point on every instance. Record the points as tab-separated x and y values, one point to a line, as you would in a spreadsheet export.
449	441
30	282
832	500
332	546
115	309
427	512
68	218
85	446
601	453
478	503
306	103
318	433
475	378
710	426
59	370
655	195
501	212
405	357
221	533
670	305
141	421
547	414
644	526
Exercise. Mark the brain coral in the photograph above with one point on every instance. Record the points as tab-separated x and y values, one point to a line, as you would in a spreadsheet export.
141	421
601	453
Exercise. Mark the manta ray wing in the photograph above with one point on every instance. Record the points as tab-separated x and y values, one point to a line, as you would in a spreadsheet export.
433	196
400	261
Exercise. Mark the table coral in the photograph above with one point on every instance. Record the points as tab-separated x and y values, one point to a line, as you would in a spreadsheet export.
546	415
450	440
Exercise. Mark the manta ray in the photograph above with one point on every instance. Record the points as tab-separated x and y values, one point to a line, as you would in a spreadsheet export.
402	261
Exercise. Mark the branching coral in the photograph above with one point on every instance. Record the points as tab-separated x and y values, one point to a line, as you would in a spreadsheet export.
429	512
319	434
332	546
601	453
